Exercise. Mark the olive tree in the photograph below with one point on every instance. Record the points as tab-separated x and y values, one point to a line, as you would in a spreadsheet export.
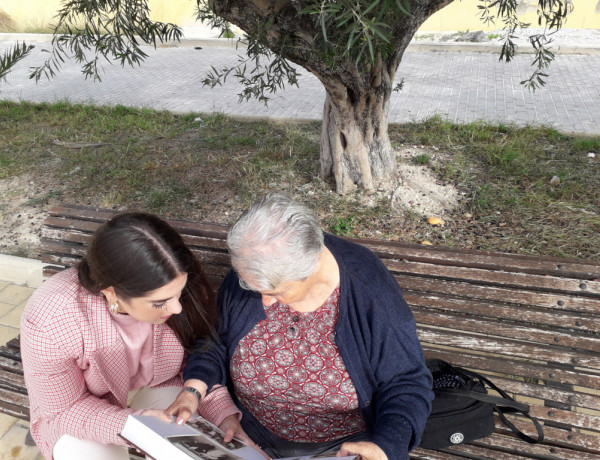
12	56
354	47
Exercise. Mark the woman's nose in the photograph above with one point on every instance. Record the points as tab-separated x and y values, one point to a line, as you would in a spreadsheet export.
174	307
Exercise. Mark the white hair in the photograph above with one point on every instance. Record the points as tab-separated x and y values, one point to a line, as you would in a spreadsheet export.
276	240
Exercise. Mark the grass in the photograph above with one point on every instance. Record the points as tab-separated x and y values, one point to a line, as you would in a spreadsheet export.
211	167
505	171
422	159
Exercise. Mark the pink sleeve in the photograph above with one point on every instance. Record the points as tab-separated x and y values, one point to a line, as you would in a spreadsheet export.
218	405
59	398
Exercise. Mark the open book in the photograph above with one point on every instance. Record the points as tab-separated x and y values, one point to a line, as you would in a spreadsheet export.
198	439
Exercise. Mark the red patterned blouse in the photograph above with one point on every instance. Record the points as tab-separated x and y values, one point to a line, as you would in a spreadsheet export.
288	372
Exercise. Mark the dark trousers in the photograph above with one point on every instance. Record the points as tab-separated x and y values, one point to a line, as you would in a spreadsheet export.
277	447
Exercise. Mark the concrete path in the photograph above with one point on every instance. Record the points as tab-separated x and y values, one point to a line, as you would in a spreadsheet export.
463	84
18	279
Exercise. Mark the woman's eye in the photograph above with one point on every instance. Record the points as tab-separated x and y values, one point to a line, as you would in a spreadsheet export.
158	306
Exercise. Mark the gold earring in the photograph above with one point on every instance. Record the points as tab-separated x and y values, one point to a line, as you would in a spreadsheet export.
113	307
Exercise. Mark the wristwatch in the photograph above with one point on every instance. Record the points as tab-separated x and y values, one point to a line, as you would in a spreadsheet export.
195	392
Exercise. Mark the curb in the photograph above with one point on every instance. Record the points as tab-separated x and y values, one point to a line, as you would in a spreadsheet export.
21	271
414	45
496	48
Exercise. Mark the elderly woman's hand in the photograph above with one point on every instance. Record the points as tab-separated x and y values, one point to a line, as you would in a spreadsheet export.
186	404
366	450
231	428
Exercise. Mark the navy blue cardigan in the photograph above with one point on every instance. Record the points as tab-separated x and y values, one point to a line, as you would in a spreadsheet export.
376	337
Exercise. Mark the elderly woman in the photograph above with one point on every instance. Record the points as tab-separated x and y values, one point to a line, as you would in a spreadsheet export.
318	347
107	339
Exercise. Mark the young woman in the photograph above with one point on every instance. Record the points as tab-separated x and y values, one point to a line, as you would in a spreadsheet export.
107	339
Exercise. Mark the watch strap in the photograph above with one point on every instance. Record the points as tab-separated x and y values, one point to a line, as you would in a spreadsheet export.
194	392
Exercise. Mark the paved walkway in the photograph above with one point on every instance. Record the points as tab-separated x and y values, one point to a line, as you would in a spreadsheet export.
461	85
18	279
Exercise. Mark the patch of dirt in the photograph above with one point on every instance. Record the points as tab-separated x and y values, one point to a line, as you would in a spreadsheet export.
21	215
25	200
420	191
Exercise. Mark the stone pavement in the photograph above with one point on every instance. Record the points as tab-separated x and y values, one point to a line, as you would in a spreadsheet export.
18	279
461	84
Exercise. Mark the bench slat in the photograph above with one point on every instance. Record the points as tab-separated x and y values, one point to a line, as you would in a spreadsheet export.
481	259
556	437
508	330
425	454
56	251
508	444
552	302
475	451
507	348
66	231
11	365
566	397
10	353
544	283
503	311
12	381
526	369
92	214
579	420
14	404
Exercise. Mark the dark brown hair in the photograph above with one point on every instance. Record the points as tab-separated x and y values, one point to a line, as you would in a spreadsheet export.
137	253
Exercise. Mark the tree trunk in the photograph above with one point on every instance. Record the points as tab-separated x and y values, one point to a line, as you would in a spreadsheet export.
355	146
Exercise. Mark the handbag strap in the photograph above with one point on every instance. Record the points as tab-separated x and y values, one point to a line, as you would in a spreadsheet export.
501	405
484	397
525	437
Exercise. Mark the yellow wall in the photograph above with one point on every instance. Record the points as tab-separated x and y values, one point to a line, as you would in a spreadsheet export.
29	15
180	12
464	15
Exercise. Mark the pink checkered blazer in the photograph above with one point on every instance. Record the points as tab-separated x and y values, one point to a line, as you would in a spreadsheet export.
75	364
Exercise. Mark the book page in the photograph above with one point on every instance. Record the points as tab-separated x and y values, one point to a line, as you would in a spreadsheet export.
198	439
199	447
208	443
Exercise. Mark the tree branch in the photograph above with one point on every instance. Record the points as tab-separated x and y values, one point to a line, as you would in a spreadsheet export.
10	58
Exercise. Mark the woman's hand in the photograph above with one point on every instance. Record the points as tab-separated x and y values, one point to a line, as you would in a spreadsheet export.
232	428
366	450
186	404
158	413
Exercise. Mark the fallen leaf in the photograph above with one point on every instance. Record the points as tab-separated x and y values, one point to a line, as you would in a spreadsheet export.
436	221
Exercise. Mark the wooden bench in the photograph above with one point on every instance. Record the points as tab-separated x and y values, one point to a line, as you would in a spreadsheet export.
531	324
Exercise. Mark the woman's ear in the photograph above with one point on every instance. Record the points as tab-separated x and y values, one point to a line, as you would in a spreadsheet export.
109	293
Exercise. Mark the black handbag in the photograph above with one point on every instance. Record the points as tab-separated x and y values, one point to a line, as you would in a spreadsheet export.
463	411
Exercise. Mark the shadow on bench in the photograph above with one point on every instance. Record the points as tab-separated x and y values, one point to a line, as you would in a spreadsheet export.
531	324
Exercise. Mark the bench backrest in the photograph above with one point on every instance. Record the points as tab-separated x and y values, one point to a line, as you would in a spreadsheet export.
531	324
